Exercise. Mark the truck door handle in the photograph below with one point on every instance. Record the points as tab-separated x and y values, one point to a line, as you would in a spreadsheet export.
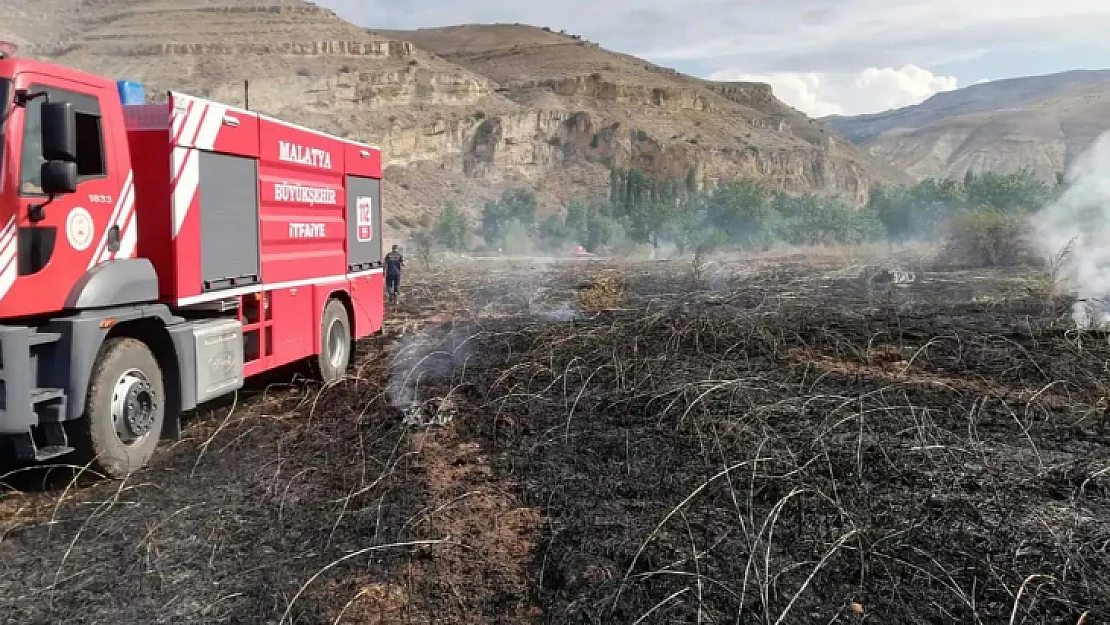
364	154
231	121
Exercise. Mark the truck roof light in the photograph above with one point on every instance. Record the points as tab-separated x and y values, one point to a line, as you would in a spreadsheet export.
130	93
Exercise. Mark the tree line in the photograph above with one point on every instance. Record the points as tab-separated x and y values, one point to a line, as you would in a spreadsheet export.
739	214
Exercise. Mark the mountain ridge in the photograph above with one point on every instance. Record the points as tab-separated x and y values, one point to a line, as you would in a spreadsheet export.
1036	123
976	98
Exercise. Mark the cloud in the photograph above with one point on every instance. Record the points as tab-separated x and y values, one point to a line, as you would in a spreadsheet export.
784	35
871	90
806	35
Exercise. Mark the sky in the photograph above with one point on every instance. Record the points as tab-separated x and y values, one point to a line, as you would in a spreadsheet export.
823	57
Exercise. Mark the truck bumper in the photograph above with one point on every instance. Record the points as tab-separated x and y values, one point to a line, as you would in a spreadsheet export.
31	416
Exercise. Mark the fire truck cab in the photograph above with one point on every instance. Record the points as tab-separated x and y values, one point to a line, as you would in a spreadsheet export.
155	255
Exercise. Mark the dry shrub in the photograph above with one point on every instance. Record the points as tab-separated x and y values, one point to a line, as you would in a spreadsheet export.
602	292
987	238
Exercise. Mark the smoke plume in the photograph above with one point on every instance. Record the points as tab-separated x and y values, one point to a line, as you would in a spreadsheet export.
1074	233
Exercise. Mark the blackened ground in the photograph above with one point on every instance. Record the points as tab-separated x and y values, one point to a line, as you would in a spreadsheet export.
768	441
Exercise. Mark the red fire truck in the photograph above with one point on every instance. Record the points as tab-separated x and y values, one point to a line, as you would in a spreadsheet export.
154	255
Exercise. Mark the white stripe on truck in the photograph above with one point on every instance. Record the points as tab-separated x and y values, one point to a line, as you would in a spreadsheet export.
260	288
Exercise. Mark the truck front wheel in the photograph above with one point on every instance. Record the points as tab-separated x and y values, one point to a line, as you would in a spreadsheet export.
124	409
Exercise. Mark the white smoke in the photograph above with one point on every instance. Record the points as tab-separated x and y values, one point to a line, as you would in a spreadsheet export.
1075	233
422	369
564	313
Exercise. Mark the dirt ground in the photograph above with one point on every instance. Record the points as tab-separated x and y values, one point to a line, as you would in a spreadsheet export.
797	439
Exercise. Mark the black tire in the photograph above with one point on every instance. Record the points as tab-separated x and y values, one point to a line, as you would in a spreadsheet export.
124	409
335	343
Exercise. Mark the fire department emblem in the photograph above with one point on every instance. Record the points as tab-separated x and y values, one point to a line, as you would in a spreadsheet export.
365	208
79	229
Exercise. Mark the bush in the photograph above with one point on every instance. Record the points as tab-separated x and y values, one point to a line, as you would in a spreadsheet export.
425	246
987	238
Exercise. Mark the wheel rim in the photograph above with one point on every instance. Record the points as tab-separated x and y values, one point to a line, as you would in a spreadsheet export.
134	405
337	345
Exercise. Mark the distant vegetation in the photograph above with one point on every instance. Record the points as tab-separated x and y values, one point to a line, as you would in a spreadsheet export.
980	218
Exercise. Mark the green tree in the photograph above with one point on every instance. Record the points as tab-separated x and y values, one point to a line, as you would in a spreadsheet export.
647	207
691	181
515	206
577	221
554	233
688	227
809	219
889	207
742	211
452	228
863	226
1009	193
651	220
603	228
932	203
917	211
516	238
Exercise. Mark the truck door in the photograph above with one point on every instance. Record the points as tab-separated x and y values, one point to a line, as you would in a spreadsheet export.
59	240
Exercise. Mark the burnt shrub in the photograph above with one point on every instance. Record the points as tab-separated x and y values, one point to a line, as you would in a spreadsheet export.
988	238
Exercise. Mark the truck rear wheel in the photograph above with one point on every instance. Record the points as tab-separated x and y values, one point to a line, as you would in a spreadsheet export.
124	409
335	342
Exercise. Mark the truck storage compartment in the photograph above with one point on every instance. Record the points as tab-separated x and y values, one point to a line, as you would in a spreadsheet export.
219	354
364	223
229	254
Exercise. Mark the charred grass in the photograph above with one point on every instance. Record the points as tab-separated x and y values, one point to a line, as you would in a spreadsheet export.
773	441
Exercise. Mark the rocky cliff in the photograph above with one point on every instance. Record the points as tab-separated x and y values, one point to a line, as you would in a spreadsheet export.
592	106
460	113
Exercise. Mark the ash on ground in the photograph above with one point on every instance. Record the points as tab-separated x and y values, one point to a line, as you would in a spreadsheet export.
435	411
871	275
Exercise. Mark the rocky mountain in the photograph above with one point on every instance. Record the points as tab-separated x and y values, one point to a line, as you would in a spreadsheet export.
1041	123
579	103
460	113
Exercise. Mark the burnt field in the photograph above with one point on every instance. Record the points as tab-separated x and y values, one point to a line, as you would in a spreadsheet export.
800	439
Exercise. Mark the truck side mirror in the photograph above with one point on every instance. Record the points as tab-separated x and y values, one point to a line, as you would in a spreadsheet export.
58	177
59	131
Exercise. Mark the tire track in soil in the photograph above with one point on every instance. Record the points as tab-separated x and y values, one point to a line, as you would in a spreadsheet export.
488	572
482	573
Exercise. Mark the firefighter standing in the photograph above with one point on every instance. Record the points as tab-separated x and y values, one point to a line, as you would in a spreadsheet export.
394	261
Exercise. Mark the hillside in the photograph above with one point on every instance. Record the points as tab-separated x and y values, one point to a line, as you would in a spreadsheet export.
1041	123
603	106
460	113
